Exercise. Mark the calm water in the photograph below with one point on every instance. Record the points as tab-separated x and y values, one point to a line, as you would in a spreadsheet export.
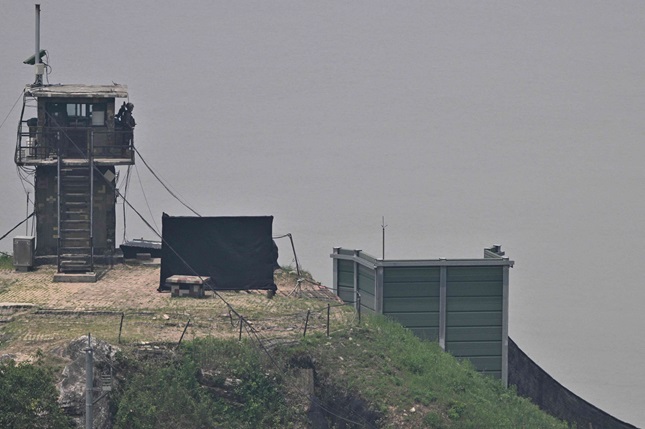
465	125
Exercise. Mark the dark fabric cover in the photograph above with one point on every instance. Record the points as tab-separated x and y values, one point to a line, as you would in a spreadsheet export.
131	248
237	253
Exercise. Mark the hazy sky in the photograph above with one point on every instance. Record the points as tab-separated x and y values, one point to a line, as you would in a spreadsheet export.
465	124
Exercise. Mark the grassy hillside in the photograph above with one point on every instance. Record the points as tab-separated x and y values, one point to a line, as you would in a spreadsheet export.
375	375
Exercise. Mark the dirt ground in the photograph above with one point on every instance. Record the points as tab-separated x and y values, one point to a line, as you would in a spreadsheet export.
125	307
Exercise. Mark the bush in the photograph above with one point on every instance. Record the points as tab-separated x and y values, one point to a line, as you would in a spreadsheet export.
28	398
214	383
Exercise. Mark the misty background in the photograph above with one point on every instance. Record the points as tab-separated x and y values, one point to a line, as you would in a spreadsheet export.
464	124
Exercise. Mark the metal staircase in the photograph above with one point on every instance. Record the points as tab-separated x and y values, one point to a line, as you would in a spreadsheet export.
75	248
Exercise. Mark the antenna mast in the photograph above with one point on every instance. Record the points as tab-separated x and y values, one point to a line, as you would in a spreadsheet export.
39	67
383	226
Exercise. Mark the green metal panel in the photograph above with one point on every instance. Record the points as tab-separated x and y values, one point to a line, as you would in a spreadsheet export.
430	334
367	300
478	274
366	280
474	288
471	319
366	288
474	303
474	348
410	290
487	363
345	266
474	333
413	304
411	297
346	294
346	280
417	320
410	274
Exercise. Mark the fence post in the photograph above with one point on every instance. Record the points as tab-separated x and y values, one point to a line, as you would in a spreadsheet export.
358	306
182	334
121	326
304	334
241	321
328	307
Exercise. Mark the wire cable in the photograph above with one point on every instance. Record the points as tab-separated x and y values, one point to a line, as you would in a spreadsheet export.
21	222
11	110
125	192
232	309
164	185
136	169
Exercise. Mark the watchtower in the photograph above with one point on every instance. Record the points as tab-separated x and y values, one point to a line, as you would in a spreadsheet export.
71	140
75	141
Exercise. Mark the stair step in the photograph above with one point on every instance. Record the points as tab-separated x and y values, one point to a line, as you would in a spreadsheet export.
81	241
74	268
81	251
75	216
75	262
74	173
74	221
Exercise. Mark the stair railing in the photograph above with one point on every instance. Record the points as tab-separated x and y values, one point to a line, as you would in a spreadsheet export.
58	194
91	167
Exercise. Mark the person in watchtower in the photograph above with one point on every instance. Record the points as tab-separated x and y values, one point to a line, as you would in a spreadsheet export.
126	120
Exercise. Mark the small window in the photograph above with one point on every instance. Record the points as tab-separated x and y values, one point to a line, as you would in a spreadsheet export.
97	111
76	110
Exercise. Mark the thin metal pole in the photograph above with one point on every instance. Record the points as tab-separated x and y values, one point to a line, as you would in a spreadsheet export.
27	211
304	334
383	225
89	383
182	334
91	165
358	306
39	77
58	193
295	257
241	323
328	308
121	326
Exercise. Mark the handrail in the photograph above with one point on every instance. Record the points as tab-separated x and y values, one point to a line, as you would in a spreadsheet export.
20	124
37	144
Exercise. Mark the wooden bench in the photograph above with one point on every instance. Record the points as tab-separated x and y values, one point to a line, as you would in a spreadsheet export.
192	286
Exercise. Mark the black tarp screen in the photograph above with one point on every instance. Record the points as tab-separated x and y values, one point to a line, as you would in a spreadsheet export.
237	253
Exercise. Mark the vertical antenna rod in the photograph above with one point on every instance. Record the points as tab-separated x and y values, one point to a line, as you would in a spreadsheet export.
383	225
37	65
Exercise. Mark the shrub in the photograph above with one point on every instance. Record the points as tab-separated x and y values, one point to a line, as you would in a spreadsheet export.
28	398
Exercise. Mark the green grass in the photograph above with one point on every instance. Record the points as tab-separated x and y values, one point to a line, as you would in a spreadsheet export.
6	261
211	383
376	375
395	372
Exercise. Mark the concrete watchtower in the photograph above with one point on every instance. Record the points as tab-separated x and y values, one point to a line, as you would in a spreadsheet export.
71	138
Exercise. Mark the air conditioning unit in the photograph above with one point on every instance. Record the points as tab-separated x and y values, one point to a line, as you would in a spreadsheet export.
23	252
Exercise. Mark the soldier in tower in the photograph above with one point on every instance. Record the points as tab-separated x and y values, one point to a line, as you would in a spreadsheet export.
126	120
